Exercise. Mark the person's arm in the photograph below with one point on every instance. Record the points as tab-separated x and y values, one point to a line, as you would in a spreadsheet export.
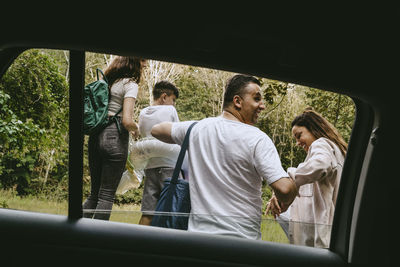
319	164
268	165
127	116
162	132
285	191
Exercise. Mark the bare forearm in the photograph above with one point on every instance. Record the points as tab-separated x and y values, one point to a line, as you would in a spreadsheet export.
285	190
130	125
127	115
162	132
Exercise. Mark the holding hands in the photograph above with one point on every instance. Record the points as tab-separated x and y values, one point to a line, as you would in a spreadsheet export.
275	207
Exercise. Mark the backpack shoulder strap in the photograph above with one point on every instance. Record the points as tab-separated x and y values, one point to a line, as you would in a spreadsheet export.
119	111
104	76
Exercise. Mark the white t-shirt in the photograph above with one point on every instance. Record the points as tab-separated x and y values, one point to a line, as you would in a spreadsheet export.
120	90
151	116
227	162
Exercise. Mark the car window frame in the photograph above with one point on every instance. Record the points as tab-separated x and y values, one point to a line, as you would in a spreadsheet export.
348	189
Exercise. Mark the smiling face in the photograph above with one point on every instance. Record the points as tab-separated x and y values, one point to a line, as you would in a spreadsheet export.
304	138
250	104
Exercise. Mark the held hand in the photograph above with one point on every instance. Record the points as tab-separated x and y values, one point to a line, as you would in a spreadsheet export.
273	207
135	132
285	190
284	207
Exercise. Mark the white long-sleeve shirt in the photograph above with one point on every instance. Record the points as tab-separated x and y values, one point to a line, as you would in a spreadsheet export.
318	179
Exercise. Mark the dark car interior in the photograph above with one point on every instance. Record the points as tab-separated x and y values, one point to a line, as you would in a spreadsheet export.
351	54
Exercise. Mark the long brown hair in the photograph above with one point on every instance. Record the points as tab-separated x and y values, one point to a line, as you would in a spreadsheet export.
320	127
124	67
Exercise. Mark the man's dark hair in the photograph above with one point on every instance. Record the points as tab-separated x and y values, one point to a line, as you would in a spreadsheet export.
164	87
235	86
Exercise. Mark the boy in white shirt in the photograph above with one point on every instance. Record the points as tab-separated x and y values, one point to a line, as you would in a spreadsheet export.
158	168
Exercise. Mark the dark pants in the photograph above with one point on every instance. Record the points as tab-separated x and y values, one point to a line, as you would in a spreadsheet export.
108	152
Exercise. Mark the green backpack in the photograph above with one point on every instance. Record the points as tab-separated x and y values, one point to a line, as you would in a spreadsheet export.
96	97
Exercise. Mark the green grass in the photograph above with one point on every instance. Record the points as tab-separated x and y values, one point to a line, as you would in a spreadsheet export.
272	231
127	213
9	199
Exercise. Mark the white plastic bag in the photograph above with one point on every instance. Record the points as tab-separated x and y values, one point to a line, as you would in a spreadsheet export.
129	181
140	152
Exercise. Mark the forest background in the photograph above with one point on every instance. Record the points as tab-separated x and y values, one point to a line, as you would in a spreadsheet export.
34	116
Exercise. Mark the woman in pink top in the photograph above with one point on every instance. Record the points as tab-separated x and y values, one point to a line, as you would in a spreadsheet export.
317	180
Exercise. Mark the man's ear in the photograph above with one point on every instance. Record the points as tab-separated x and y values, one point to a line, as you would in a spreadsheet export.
163	97
237	102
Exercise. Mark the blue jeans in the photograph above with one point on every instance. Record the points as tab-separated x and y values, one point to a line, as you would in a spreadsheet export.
108	152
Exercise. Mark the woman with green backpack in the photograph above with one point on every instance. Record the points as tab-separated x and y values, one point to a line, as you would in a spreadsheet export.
108	148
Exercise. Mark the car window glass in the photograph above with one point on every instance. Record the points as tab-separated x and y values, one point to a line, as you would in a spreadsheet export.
34	133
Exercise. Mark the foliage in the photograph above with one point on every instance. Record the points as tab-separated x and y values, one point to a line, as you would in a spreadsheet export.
20	142
201	93
36	89
133	196
34	121
276	119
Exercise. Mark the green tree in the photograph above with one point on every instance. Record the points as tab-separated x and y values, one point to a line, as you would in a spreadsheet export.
283	102
16	150
201	93
34	121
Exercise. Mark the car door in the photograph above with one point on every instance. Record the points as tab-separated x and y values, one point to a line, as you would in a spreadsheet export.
36	238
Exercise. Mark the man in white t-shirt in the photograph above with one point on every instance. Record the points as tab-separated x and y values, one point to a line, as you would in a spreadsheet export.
157	168
228	159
